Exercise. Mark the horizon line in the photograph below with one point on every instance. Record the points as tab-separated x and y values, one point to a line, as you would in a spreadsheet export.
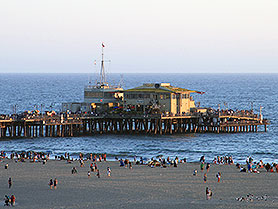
135	73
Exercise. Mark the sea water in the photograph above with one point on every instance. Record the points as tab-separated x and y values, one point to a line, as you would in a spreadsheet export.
237	91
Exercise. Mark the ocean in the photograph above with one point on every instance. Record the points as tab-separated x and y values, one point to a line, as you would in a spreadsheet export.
237	91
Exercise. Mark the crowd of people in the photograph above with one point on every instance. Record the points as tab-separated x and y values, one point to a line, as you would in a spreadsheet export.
24	156
223	160
231	112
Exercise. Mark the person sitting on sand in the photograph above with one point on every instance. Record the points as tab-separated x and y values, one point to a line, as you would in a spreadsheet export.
104	157
267	167
122	163
130	165
261	164
208	193
276	167
91	166
249	167
126	162
93	169
195	172
175	163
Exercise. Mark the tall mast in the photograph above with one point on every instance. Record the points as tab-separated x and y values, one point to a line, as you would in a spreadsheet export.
102	71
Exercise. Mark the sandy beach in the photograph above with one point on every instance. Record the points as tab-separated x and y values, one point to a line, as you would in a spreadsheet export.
140	187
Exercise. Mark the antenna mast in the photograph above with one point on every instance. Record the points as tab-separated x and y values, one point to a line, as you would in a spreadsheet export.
102	71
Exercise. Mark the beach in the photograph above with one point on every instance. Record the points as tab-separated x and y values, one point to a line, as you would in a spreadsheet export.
140	187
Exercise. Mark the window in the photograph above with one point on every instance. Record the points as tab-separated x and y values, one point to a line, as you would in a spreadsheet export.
185	96
173	96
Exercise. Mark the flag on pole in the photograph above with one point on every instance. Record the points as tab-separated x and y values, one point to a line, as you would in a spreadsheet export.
103	45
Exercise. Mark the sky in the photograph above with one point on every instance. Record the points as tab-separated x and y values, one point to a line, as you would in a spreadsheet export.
145	36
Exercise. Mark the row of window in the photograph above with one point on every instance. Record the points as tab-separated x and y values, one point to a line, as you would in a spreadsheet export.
134	96
154	96
99	94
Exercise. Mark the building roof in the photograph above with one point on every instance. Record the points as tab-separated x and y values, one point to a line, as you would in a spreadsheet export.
161	88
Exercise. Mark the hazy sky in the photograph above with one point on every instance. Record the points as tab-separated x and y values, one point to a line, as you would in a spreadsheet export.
140	36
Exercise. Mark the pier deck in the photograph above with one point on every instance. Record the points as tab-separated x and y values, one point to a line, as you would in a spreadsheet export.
80	125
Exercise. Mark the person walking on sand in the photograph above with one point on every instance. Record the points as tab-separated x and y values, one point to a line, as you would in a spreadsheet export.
10	182
89	174
202	166
50	183
7	200
205	178
74	170
55	183
208	167
208	193
12	200
218	176
108	172
98	174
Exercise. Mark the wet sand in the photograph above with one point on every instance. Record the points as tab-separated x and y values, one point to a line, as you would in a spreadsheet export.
141	187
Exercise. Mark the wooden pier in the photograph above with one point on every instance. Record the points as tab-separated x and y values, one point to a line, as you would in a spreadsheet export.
82	125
